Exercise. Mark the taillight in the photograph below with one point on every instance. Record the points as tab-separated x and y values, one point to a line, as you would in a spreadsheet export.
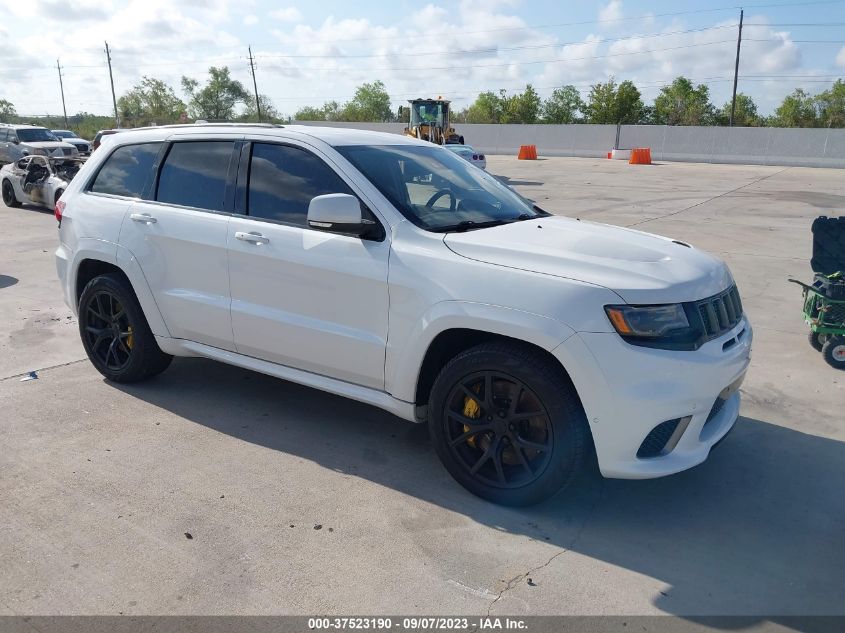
60	208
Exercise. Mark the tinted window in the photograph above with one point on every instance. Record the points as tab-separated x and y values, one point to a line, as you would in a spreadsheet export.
126	171
35	135
282	181
194	174
4	135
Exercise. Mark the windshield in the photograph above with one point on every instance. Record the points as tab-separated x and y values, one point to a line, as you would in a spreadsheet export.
436	189
35	134
431	112
64	133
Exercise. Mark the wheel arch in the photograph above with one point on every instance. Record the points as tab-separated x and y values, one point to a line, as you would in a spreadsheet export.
449	323
92	265
449	343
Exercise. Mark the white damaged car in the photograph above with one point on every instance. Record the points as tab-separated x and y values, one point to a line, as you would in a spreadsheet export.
37	180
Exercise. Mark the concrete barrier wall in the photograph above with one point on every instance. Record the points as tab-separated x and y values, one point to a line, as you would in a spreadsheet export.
742	145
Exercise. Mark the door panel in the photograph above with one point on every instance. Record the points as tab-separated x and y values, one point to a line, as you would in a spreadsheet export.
310	300
180	239
304	298
183	256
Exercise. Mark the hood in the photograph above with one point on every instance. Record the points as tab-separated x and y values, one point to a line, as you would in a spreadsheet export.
51	145
640	267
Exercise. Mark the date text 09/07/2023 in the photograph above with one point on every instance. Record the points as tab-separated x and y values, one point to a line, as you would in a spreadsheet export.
420	623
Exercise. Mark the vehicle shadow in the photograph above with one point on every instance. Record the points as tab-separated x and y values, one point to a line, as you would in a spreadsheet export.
7	280
756	530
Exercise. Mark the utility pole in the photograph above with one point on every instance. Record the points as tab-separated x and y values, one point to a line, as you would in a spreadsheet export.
111	79
254	85
62	88
736	67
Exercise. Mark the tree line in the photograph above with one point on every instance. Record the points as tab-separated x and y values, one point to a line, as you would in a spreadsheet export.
679	103
223	98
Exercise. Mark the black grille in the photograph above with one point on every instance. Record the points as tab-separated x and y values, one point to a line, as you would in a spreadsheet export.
720	312
656	440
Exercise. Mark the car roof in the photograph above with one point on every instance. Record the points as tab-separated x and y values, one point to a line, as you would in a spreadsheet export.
23	126
335	136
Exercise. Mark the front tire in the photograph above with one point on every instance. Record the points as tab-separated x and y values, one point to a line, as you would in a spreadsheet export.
115	332
507	424
833	351
816	340
9	198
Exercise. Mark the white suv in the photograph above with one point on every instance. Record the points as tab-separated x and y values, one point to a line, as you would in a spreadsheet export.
393	272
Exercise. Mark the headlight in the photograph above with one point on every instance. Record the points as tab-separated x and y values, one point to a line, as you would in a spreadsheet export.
650	321
662	326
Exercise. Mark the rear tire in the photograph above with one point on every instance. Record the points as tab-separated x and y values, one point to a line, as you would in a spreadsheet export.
9	198
518	444
833	351
816	340
115	333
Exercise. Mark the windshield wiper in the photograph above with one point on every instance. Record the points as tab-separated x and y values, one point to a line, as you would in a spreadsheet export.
467	225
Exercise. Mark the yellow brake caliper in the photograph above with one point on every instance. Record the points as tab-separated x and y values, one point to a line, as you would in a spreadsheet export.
130	340
473	411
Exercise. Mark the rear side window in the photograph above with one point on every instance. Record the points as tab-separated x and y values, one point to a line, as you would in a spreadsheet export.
283	179
194	174
127	170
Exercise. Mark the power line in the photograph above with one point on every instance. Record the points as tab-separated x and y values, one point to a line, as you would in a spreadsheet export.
521	63
648	16
503	49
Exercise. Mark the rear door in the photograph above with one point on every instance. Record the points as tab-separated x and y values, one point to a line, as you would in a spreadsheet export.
304	298
178	235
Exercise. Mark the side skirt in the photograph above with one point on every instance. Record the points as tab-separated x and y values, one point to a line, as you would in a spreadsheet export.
380	399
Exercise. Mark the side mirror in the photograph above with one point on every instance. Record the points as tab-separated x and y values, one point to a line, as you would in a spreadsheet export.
339	213
16	141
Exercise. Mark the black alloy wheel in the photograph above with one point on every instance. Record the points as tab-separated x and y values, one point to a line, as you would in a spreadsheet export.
507	423
498	429
108	331
115	332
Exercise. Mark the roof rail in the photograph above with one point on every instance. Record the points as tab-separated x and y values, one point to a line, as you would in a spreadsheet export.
192	126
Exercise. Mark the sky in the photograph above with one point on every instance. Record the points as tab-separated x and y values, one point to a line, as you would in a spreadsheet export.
307	53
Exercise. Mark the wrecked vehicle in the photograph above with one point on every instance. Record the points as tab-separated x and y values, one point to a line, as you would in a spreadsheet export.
39	180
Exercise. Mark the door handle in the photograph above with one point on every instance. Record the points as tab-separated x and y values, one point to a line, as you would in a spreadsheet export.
146	218
252	237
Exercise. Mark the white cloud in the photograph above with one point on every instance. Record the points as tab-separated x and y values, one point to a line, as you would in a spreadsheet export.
453	49
840	59
611	12
288	14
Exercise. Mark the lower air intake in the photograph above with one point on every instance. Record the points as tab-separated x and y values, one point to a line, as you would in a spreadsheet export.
655	442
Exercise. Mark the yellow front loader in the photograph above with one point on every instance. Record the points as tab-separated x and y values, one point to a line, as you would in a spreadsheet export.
429	121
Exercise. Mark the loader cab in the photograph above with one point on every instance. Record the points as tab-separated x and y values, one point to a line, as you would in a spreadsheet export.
429	121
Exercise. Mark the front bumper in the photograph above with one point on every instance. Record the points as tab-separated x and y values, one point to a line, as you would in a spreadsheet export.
628	390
